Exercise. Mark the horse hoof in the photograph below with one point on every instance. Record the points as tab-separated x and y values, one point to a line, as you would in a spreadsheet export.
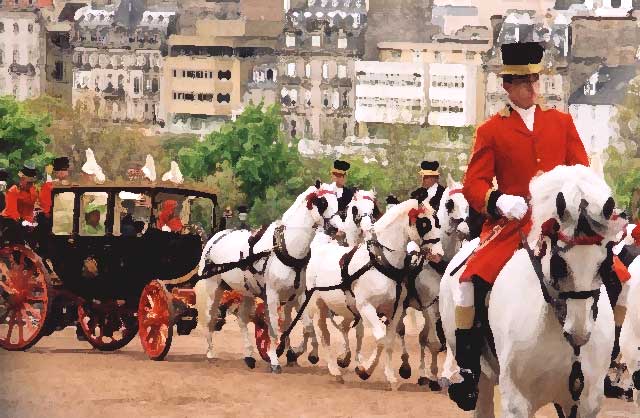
423	381
313	359
250	362
434	385
344	362
362	373
405	371
219	324
210	354
277	369
292	357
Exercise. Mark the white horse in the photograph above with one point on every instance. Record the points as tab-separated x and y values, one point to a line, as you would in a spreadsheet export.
535	342
357	227
452	214
248	276
368	292
630	334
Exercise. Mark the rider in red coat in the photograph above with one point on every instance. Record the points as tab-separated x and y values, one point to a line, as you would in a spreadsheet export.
21	198
522	140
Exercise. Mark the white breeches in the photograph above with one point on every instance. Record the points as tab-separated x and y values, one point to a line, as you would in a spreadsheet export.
463	294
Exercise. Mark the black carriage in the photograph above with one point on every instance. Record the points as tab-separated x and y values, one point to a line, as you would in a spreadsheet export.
115	259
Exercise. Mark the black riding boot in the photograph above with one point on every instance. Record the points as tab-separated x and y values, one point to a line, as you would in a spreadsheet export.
465	393
469	344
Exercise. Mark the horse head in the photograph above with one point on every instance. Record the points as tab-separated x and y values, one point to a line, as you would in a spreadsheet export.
572	213
322	204
425	228
360	216
452	213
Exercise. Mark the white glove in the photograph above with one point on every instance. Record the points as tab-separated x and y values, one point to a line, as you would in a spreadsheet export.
165	228
413	247
513	207
27	223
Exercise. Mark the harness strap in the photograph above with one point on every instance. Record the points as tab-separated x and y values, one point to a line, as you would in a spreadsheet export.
280	249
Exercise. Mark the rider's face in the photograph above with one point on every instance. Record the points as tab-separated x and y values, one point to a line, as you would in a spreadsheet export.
428	181
26	183
62	174
523	90
338	178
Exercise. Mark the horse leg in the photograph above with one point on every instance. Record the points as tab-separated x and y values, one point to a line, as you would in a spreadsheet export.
214	294
244	316
485	407
308	333
405	367
359	338
369	314
272	303
389	339
429	339
344	359
514	403
325	338
292	357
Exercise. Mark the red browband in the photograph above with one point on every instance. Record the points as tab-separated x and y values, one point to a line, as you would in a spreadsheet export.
454	191
313	195
551	228
415	213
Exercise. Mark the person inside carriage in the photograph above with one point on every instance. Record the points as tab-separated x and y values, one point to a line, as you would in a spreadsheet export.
520	142
168	220
93	214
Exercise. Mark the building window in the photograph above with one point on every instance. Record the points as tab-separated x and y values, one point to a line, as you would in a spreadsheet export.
325	70
174	73
223	98
290	40
270	74
437	55
335	102
16	28
342	43
16	54
155	85
1	24
342	71
307	70
471	55
291	69
224	75
30	27
315	40
307	98
59	71
136	85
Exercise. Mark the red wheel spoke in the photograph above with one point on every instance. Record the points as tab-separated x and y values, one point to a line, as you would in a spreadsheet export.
7	288
12	322
34	311
4	269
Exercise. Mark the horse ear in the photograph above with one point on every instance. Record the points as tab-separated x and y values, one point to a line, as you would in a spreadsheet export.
450	181
607	209
561	205
318	184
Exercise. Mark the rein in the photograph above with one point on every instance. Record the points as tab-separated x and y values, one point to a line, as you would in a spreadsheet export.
557	300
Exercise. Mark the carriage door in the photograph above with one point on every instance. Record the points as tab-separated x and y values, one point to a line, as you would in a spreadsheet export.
62	246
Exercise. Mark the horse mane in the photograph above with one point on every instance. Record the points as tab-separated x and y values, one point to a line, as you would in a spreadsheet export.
576	183
360	193
398	210
300	200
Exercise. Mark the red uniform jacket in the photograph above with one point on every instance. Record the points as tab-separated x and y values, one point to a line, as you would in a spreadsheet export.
45	197
20	204
505	149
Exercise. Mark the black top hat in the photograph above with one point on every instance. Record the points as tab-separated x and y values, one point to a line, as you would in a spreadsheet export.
521	58
28	170
429	168
4	174
392	200
340	166
61	163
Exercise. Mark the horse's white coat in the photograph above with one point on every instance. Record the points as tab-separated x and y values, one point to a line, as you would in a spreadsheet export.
534	357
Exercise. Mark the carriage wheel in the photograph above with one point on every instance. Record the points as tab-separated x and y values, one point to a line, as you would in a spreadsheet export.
261	323
108	325
24	298
155	317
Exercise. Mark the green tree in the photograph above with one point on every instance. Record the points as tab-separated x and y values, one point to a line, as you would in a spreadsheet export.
255	147
22	136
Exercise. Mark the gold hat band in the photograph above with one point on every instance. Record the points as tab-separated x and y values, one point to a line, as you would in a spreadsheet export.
521	69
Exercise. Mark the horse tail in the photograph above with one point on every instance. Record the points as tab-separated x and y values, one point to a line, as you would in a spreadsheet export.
202	302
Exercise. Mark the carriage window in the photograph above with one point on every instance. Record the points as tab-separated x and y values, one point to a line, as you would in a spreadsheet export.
93	213
132	214
201	213
171	213
63	213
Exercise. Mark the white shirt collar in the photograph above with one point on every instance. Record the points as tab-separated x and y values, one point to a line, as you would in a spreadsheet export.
432	190
527	115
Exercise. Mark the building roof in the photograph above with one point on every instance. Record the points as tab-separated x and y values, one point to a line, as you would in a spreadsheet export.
611	85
